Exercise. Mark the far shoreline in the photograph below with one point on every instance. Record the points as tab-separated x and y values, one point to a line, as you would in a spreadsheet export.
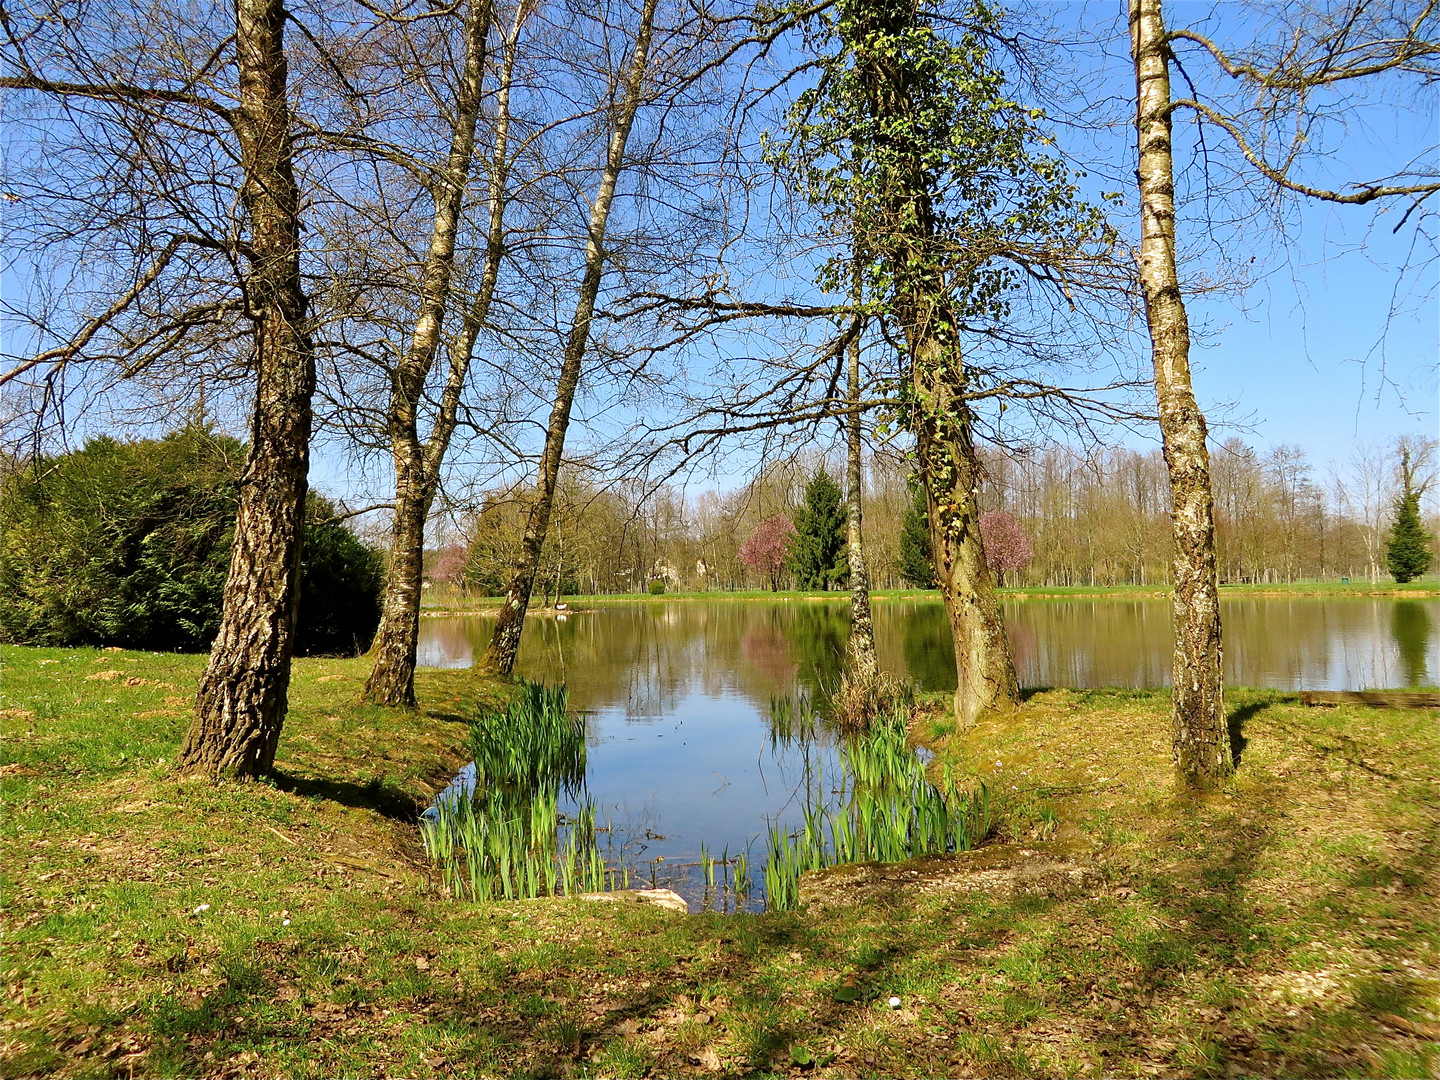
460	607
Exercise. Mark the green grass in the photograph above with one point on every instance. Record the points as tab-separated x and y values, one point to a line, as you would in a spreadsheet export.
1284	927
449	600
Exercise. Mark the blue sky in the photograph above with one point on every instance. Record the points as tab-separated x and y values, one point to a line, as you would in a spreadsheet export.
1330	344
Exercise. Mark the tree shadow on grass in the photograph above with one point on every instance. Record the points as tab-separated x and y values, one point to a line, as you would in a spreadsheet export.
1236	723
375	795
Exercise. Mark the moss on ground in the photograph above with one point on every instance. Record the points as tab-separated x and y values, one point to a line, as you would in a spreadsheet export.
1284	927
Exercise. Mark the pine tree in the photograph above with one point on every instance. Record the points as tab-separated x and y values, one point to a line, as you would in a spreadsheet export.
1408	550
817	558
917	563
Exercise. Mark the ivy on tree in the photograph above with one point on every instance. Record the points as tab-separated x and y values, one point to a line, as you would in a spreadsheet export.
911	145
817	557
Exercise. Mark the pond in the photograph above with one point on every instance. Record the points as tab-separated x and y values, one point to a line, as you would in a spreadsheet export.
678	694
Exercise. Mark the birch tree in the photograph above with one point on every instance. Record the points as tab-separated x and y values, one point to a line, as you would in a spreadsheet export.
505	642
135	85
1319	49
418	462
1199	733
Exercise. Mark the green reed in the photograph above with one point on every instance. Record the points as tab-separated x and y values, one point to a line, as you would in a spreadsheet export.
888	810
510	841
532	741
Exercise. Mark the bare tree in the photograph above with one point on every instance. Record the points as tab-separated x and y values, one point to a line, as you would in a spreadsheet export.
505	643
860	646
1281	82
242	698
418	462
1200	735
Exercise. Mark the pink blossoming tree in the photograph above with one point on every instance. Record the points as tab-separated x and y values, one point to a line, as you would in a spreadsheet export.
1007	548
765	549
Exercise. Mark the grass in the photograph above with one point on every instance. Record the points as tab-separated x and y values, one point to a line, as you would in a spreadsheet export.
447	600
1284	927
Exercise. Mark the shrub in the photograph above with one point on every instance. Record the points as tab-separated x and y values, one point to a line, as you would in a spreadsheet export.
657	587
128	543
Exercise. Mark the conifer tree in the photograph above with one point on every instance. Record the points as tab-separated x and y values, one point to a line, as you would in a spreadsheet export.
917	564
817	558
1408	550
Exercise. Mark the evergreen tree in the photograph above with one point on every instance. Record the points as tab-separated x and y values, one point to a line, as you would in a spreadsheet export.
917	563
1408	550
128	544
817	558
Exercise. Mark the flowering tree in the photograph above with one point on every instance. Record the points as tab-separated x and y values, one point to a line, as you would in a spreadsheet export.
1006	545
450	565
765	549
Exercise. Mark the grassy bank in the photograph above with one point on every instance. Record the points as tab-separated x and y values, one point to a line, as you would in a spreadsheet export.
1285	927
443	600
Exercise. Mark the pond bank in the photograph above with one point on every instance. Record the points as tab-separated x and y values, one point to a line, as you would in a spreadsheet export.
168	927
449	603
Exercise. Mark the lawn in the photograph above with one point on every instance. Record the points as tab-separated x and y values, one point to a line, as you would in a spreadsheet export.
157	926
446	600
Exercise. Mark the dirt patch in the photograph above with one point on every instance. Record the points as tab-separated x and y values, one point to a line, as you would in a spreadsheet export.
1002	871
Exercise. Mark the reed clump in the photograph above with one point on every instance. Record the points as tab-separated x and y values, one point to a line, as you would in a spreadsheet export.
859	699
510	840
887	810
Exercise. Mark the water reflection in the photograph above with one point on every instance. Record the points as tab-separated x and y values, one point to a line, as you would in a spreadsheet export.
647	656
678	694
1410	626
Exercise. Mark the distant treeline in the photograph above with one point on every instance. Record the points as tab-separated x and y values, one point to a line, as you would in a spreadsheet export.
1097	517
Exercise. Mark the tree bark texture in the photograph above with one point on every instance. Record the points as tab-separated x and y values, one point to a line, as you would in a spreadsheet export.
860	648
1199	729
505	641
940	416
945	447
242	697
417	467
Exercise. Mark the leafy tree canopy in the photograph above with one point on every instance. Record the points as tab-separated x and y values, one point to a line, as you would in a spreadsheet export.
916	562
764	550
1408	550
128	543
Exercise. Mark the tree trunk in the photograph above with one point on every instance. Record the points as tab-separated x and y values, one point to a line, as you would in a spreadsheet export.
392	679
950	466
1199	729
940	416
860	649
241	702
505	642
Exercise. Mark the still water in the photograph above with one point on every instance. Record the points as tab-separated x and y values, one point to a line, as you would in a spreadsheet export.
678	694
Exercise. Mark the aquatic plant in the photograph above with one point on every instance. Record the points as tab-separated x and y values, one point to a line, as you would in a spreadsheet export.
532	741
792	720
509	840
858	700
888	810
503	848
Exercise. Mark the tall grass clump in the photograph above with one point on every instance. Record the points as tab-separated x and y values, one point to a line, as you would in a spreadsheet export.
532	741
887	810
859	700
509	840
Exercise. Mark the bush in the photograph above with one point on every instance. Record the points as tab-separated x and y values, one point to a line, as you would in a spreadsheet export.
657	587
128	543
